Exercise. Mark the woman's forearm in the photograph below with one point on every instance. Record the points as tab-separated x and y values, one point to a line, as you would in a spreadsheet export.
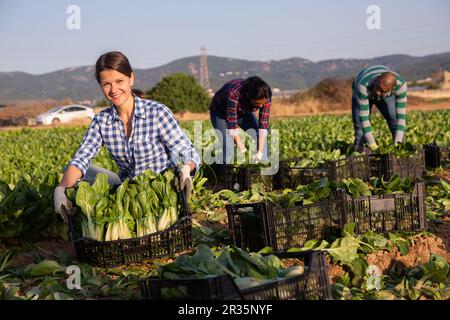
261	143
70	177
239	143
191	165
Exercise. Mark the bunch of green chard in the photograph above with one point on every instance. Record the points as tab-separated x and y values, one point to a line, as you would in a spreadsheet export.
377	186
402	150
138	207
154	202
306	194
255	194
314	192
315	158
247	269
438	200
302	194
94	202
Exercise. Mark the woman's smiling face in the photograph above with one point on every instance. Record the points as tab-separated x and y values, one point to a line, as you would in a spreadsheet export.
116	86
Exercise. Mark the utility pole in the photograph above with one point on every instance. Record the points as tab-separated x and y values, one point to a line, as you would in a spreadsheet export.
204	78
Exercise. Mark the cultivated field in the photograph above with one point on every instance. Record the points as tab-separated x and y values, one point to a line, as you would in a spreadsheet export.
32	162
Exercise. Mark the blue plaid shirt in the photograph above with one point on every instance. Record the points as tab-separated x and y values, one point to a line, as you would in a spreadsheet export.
156	142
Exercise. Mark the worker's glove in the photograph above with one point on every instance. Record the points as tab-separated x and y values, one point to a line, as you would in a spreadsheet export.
373	146
258	157
186	183
63	206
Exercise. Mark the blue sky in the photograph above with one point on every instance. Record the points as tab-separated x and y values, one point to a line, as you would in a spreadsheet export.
34	37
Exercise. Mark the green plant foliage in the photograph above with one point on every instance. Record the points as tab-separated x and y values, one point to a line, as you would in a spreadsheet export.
180	93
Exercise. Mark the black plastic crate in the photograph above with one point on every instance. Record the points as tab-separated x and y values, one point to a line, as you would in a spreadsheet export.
289	176
386	213
388	165
235	177
313	284
436	156
360	167
175	239
213	172
254	226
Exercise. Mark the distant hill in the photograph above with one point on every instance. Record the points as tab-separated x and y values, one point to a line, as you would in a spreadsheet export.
78	83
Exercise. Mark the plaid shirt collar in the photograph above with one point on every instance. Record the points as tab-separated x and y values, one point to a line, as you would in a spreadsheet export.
138	110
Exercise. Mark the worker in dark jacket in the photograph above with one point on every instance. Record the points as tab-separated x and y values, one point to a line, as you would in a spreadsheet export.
232	108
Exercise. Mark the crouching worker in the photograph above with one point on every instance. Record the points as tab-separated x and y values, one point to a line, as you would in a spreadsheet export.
382	87
232	108
140	135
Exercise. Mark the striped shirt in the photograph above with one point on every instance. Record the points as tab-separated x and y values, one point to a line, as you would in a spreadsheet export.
362	92
228	101
156	141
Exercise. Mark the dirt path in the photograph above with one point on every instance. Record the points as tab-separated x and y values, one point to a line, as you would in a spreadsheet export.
442	230
419	253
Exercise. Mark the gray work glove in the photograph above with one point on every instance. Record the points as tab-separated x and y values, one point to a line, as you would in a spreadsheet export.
186	183
258	157
63	206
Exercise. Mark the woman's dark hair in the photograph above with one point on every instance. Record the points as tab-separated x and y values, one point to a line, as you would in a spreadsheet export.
113	60
138	93
256	88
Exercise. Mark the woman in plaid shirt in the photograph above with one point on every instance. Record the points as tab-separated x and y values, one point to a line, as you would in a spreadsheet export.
233	106
140	135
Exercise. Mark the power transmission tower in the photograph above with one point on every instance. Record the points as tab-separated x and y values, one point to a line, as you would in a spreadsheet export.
204	78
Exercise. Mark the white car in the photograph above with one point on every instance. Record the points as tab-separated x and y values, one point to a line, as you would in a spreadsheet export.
65	114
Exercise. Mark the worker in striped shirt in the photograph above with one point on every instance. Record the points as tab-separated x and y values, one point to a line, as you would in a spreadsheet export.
380	86
232	108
